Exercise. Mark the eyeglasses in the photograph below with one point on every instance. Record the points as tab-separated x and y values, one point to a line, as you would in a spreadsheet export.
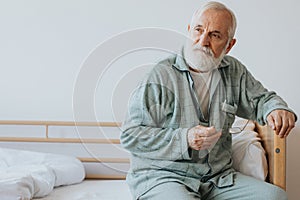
238	129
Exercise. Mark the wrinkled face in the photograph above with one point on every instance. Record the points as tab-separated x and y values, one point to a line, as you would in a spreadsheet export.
209	40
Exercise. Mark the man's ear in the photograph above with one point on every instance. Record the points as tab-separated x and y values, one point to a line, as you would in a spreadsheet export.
189	27
230	45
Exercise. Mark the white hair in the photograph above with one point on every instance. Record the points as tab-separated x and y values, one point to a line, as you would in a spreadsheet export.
217	6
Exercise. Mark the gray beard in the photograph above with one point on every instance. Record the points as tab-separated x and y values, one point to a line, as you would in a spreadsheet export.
199	60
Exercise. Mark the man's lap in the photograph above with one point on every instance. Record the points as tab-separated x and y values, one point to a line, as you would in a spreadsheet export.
170	190
244	188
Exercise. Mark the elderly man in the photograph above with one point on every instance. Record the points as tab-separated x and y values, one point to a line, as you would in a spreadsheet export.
177	128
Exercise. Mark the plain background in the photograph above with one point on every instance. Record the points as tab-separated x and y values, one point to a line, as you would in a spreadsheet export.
44	46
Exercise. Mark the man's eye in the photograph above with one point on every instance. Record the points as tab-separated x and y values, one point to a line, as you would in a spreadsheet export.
199	30
215	35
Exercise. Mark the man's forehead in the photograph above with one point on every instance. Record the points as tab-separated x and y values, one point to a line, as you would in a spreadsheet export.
218	18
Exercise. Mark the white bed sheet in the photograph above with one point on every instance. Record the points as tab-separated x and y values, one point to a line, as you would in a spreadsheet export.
92	190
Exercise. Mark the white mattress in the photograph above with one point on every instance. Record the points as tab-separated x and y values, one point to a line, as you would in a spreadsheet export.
92	190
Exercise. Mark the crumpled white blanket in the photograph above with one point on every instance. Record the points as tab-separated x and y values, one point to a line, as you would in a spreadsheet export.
26	174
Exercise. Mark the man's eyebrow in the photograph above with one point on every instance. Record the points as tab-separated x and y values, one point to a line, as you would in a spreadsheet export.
198	26
214	31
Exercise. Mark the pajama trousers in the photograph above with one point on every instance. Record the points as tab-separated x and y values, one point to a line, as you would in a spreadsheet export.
244	188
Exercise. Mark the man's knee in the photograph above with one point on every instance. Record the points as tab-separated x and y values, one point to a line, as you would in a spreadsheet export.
269	191
248	188
278	194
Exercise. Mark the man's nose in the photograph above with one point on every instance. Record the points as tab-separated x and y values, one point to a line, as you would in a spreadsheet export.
204	39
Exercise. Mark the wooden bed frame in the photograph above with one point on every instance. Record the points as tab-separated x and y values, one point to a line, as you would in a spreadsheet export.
274	146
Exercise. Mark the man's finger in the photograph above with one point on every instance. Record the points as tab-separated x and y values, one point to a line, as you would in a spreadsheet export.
209	141
206	132
270	122
290	126
284	127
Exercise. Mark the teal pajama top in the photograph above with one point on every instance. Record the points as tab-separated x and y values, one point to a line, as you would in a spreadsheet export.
165	106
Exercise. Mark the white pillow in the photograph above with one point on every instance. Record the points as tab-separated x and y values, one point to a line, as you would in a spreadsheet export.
248	155
68	170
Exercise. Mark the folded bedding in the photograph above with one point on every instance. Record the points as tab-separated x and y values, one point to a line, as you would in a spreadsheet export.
26	174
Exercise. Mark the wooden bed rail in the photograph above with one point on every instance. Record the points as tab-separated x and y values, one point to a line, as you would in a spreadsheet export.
47	139
46	124
275	148
59	123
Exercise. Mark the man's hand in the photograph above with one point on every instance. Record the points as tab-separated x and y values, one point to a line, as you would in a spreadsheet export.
201	137
281	121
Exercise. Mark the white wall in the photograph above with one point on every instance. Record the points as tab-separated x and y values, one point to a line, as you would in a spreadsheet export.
45	47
